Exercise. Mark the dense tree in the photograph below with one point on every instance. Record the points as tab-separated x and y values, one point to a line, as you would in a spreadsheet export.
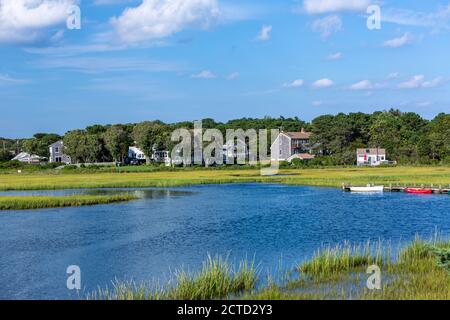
150	136
407	137
117	141
40	143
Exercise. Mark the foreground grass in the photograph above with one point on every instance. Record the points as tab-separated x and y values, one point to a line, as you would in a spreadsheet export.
419	271
330	177
37	202
218	279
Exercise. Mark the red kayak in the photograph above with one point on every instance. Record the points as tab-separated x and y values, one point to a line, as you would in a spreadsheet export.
418	191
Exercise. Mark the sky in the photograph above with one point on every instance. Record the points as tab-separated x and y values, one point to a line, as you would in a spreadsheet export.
176	60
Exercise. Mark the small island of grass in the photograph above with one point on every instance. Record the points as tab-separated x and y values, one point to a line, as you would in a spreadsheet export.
40	202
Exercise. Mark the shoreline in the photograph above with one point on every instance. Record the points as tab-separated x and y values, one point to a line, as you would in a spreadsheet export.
327	177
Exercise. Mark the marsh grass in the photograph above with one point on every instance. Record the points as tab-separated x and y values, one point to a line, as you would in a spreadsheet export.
418	271
330	177
38	202
218	279
330	262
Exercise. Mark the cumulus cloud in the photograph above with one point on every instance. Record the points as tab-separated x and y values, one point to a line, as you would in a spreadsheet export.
327	26
205	74
25	21
398	42
322	83
233	76
392	75
414	82
324	6
366	85
433	83
334	56
264	34
156	19
294	84
362	85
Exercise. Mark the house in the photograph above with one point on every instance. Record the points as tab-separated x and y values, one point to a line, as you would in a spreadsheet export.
301	156
371	157
137	156
57	153
234	151
288	144
162	157
28	158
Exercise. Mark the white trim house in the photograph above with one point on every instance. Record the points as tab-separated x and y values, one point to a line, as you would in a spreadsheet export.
371	157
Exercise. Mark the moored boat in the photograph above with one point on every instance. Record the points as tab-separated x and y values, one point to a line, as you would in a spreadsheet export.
368	188
418	191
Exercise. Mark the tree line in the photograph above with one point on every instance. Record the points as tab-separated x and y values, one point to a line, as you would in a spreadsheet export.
407	137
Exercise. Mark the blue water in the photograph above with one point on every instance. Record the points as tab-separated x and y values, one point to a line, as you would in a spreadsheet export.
145	239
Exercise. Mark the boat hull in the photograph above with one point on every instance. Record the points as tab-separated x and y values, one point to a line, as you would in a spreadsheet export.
418	191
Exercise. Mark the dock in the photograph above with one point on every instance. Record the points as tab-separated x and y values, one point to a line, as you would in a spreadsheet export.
440	189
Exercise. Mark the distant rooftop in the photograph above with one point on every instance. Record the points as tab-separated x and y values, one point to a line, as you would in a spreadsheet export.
299	135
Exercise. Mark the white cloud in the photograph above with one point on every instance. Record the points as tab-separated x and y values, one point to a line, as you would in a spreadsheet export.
264	34
317	103
433	83
414	82
104	64
437	20
205	74
323	83
362	85
392	75
398	42
294	84
156	19
366	85
324	6
335	56
6	79
233	76
327	26
25	21
418	81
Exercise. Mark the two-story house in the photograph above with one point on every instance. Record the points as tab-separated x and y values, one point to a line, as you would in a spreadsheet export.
290	145
57	153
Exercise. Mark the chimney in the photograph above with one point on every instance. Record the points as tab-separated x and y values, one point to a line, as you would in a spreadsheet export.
302	130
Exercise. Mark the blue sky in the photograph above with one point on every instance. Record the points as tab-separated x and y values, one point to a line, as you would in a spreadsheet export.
179	60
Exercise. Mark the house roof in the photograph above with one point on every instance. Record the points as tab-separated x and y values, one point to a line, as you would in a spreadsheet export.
371	151
302	156
298	135
59	142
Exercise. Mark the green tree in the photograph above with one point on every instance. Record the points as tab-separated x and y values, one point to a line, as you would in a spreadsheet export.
40	143
150	136
439	137
117	141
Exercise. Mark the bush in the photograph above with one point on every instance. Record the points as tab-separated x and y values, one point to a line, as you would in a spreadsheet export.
12	165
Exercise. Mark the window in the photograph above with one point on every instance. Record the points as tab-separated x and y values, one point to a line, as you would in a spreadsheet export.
56	149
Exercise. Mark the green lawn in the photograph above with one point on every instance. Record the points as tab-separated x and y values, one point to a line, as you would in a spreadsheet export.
331	177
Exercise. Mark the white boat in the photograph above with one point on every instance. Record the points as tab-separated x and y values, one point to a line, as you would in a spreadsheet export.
368	188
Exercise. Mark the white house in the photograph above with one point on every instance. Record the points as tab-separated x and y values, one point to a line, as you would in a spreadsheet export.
137	155
371	157
57	153
289	144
